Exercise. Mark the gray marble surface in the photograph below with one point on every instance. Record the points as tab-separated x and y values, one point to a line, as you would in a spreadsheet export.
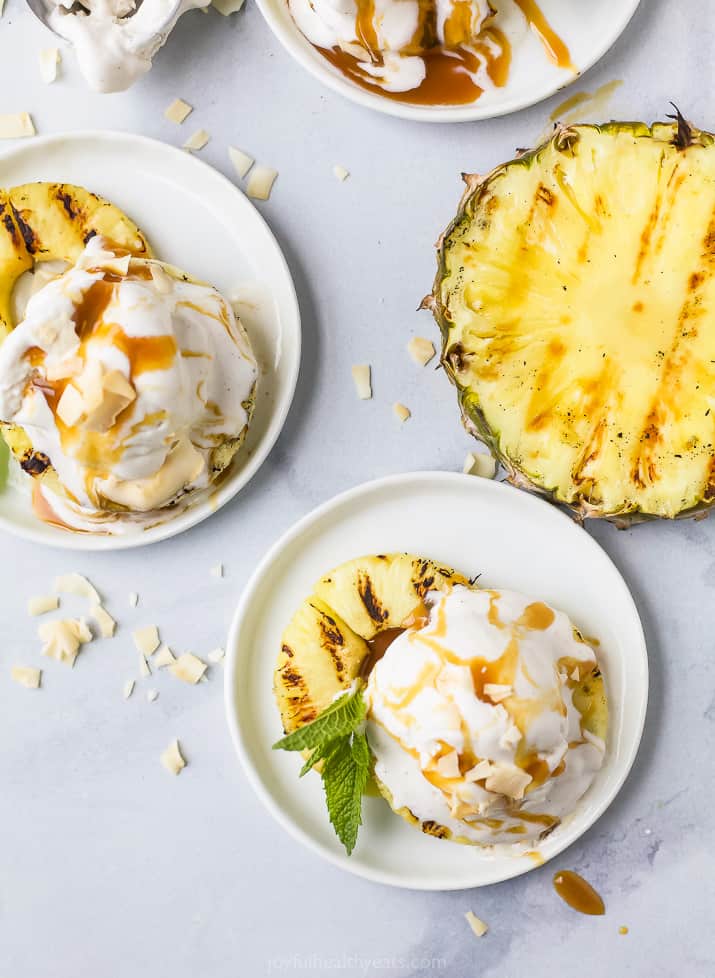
110	867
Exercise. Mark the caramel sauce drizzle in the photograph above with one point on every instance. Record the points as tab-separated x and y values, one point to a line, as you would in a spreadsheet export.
96	450
578	893
556	51
448	69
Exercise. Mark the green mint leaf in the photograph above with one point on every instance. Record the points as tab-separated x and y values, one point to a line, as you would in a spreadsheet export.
317	754
340	719
345	776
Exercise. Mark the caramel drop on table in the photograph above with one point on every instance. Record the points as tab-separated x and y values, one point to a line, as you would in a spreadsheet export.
574	890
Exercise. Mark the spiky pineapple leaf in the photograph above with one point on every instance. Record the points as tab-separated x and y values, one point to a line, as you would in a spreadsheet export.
345	777
340	718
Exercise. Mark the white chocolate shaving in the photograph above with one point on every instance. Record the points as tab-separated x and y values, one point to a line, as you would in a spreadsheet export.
146	640
63	637
341	173
402	413
178	111
480	464
164	657
197	140
42	604
105	622
421	350
172	758
260	182
362	380
242	162
77	584
478	926
16	126
49	61
27	676
188	668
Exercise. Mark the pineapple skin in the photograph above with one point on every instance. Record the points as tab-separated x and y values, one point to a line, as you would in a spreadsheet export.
680	135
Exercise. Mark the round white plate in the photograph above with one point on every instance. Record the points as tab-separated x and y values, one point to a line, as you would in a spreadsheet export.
588	29
513	540
197	219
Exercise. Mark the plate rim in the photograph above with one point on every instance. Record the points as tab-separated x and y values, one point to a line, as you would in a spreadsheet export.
290	39
233	668
191	516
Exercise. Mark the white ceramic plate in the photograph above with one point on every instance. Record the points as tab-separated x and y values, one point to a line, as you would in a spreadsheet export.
515	541
197	219
589	30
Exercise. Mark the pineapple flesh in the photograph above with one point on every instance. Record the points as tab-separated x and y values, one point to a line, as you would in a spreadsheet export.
327	642
576	299
53	221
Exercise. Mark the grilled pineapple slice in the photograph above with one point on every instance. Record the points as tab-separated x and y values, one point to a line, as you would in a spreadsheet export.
53	221
576	299
327	642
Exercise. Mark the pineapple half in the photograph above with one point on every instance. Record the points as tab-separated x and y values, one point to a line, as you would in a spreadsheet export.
326	643
576	299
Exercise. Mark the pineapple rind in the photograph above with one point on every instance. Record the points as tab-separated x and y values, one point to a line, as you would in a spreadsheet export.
651	481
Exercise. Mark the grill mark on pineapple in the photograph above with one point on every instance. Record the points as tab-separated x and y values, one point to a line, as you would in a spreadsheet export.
370	600
331	639
433	828
675	182
645	239
34	463
28	235
10	226
68	203
664	402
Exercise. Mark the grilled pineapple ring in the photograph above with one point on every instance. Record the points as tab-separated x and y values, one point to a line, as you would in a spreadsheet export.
54	221
326	643
40	467
576	298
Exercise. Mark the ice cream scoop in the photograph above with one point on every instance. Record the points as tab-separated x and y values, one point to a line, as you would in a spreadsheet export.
127	388
487	720
114	40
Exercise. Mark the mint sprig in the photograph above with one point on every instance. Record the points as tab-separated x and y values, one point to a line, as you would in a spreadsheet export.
337	738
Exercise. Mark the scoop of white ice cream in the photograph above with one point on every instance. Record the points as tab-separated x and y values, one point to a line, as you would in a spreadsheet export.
116	40
127	377
472	722
389	38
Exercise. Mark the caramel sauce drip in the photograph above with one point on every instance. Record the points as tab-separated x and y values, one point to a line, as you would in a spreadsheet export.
537	616
556	50
42	509
448	68
90	310
446	82
144	353
383	640
578	893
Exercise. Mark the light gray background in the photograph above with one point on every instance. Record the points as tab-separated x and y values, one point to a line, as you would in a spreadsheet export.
108	866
